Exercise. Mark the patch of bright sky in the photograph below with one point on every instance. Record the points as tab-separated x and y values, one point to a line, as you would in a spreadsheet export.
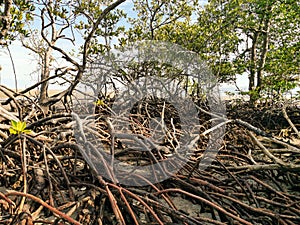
26	64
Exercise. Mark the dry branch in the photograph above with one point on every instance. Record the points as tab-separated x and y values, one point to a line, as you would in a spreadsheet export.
254	179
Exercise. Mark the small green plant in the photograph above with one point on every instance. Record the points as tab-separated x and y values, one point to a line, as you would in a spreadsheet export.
18	127
99	102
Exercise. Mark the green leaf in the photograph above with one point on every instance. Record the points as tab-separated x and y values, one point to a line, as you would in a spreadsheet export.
13	123
21	126
100	102
12	131
27	131
18	127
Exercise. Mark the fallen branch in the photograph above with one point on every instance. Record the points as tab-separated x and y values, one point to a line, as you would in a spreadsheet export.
285	115
40	201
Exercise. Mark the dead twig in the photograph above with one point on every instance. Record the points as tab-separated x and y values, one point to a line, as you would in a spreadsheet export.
40	201
285	115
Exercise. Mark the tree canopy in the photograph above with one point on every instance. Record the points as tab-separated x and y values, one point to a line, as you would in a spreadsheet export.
259	38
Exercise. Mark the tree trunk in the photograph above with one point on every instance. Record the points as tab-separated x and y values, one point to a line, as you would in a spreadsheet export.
253	66
263	56
44	75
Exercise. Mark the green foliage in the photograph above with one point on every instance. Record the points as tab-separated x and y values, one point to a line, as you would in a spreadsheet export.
153	15
18	127
99	102
14	15
268	40
107	30
275	86
168	21
257	37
